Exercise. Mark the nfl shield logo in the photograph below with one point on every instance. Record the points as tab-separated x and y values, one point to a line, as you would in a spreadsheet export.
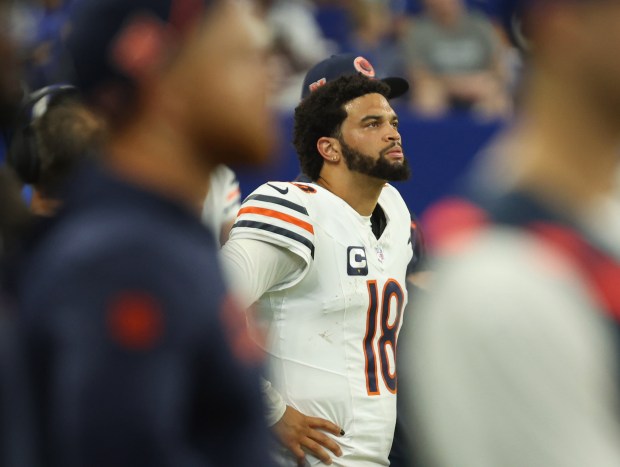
380	255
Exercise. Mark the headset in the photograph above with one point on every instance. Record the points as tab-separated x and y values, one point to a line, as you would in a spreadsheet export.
23	154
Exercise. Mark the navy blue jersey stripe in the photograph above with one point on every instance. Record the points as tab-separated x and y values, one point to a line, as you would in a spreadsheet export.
280	201
277	230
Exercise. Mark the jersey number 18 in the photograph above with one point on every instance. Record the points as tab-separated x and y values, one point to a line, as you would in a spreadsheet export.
378	319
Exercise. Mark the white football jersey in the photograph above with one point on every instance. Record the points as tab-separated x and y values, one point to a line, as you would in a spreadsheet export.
331	330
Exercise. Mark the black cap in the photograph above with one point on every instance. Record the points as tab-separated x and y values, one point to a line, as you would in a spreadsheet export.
347	64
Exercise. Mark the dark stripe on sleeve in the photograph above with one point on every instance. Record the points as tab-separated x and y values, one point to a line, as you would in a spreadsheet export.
280	201
277	230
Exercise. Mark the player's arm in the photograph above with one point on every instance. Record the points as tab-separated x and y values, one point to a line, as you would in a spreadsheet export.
271	242
254	267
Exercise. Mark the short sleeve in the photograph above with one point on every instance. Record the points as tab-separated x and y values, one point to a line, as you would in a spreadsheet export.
276	214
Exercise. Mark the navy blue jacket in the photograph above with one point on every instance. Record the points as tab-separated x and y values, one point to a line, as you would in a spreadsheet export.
136	354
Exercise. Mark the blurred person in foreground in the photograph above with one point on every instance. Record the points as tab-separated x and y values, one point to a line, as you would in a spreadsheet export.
515	354
15	428
54	137
326	260
13	214
10	84
454	57
137	354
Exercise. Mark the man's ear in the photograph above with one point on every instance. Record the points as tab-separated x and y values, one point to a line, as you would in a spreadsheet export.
140	46
329	148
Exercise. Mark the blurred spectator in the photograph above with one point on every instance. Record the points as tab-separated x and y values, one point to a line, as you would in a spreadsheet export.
374	36
12	212
10	84
41	27
333	19
454	58
56	134
15	428
297	44
137	354
14	215
489	7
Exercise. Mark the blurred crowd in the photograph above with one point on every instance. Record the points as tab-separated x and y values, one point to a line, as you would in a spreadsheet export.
456	52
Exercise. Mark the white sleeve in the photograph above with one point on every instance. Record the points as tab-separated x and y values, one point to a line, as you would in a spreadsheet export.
276	213
512	364
275	404
253	267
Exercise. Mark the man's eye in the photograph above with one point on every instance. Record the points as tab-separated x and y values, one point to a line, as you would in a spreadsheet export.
395	125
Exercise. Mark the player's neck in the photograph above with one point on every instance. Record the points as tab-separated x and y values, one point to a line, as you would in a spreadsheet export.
568	145
157	156
358	191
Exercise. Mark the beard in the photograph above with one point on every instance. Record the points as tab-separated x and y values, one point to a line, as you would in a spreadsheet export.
378	168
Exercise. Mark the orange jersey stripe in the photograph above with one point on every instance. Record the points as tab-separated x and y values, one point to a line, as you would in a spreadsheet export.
278	215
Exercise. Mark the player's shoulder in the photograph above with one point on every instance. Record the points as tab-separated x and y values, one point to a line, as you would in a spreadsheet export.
278	213
292	190
289	196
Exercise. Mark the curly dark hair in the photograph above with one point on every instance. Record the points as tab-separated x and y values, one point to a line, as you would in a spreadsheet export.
322	113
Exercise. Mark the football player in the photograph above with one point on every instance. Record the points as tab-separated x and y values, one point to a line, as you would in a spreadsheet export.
417	271
326	261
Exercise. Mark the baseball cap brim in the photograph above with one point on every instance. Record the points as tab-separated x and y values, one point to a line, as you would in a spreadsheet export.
398	86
